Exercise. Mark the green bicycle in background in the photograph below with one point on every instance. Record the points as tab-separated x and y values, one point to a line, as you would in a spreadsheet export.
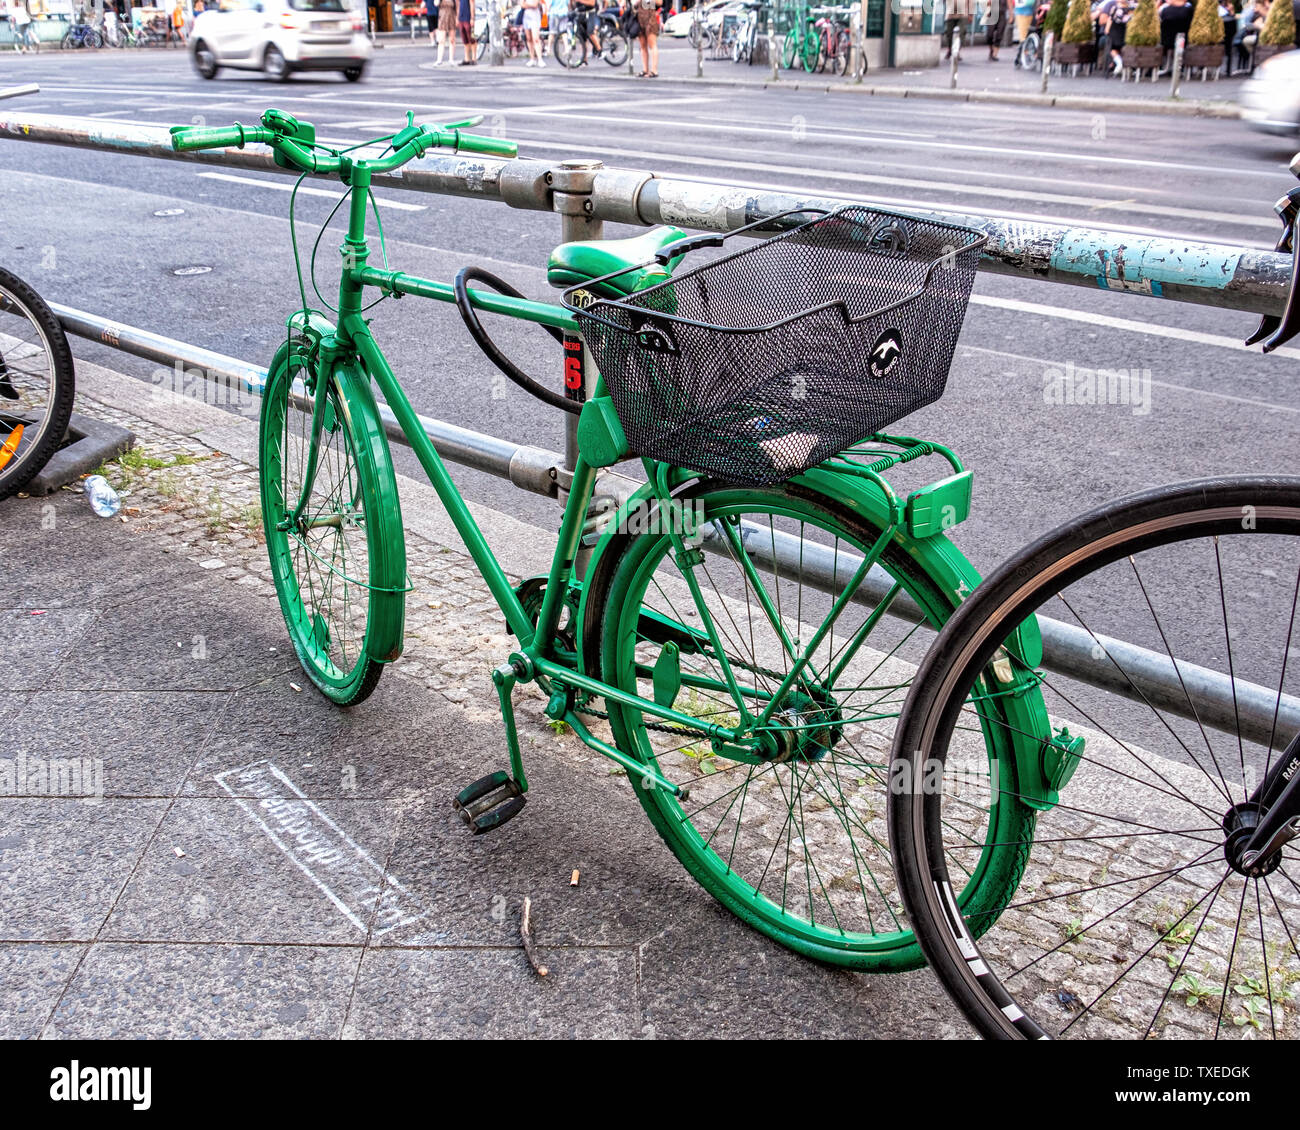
744	631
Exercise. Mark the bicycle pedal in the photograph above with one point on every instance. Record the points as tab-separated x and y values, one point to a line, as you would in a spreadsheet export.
489	802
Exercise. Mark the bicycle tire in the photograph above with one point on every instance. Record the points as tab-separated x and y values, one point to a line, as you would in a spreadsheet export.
1058	962
570	49
790	50
843	45
28	328
813	51
849	920
342	594
614	48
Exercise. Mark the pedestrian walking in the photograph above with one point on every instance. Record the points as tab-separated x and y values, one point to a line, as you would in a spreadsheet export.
24	30
465	22
647	15
959	17
177	24
532	13
995	26
446	31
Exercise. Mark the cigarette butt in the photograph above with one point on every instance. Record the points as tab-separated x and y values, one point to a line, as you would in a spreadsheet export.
573	879
179	854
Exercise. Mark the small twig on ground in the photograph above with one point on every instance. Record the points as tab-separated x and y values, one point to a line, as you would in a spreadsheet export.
526	932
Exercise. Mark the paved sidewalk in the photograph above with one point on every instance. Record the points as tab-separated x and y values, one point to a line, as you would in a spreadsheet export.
262	864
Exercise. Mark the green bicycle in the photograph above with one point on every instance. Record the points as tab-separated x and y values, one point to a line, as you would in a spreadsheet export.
741	637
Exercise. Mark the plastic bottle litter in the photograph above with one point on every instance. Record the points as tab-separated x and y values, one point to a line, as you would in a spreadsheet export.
103	498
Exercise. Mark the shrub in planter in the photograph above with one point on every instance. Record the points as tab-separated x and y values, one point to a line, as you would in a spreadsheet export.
1279	27
1144	27
1205	37
1142	40
1207	25
1077	44
1078	23
1055	19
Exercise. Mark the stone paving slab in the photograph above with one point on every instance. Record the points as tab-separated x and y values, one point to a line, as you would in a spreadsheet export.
261	864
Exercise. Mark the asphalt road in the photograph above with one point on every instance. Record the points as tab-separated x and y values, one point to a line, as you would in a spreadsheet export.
83	227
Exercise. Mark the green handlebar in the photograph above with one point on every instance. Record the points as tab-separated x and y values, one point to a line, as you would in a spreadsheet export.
294	141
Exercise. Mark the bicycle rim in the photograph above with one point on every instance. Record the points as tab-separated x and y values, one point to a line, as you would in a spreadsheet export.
795	847
36	384
1136	915
340	570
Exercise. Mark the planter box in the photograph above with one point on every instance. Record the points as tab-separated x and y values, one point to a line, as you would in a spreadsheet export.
1268	50
1207	56
1071	54
1143	58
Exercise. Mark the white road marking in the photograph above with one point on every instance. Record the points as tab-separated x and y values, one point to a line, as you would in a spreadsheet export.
1264	220
826	135
305	190
1128	325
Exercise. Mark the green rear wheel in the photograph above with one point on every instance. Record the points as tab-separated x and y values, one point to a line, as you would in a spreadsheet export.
794	842
340	568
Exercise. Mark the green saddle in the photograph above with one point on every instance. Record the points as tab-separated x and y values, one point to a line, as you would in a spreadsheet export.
572	264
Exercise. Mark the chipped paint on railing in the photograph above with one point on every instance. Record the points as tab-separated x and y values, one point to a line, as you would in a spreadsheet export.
1143	265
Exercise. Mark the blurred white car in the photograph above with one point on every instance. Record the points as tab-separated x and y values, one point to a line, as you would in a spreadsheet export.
279	37
1270	99
679	26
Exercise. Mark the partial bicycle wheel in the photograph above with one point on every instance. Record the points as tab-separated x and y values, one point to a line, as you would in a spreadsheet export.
1171	661
813	50
843	47
570	49
1029	56
792	839
339	560
37	384
614	48
790	50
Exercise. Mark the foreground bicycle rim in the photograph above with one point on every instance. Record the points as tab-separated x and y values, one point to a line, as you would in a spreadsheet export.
797	849
1134	918
37	384
340	572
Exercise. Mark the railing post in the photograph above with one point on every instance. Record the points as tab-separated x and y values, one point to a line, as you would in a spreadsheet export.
955	48
1049	42
771	47
572	183
1177	77
496	47
699	43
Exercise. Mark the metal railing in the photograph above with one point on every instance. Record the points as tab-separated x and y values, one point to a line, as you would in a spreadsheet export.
585	194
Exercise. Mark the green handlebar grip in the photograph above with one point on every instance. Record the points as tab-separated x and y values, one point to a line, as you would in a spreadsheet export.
185	138
491	146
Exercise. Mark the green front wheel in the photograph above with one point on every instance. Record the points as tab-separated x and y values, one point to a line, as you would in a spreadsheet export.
339	562
794	840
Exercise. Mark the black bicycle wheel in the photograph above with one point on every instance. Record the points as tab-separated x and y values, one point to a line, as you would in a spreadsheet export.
37	383
1141	912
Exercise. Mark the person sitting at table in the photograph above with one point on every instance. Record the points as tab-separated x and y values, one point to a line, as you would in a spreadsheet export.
1249	24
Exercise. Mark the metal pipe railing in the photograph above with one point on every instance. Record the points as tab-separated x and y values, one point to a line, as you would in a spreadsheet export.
1209	274
1122	668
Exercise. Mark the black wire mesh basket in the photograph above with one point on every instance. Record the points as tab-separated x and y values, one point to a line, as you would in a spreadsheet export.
762	363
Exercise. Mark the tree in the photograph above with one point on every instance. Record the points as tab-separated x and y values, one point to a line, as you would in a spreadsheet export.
1144	27
1078	23
1279	26
1055	18
1207	24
